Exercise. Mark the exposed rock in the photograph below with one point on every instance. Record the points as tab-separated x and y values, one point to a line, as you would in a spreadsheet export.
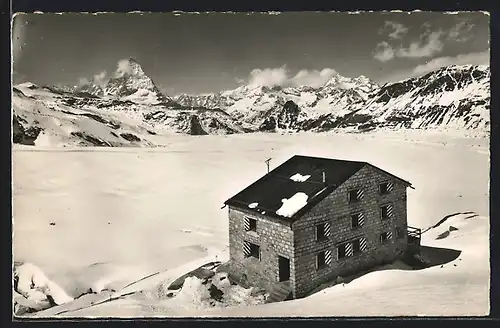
200	273
195	127
215	293
268	125
130	137
94	141
22	135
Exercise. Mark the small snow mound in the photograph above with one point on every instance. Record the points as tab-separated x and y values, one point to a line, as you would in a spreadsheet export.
31	280
299	177
193	294
292	205
253	205
450	224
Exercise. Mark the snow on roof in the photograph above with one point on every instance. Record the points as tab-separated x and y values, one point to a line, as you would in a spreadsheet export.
292	205
253	205
318	177
297	177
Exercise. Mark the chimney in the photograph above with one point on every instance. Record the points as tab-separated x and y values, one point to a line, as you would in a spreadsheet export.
267	163
324	177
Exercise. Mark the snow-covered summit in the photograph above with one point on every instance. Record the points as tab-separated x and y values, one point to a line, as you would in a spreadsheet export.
451	98
250	102
131	82
128	82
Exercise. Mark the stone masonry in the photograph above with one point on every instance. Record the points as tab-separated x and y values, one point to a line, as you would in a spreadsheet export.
297	241
274	238
336	209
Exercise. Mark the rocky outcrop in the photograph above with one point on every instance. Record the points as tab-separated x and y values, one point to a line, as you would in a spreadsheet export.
24	135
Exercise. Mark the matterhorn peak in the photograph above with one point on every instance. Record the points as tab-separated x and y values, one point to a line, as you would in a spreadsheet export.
129	67
131	82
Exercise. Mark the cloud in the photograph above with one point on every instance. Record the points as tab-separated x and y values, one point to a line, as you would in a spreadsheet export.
429	45
313	78
126	66
460	32
473	58
268	76
123	67
83	81
383	52
101	78
398	30
281	77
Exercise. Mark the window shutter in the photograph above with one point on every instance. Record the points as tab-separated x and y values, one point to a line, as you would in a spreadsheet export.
328	256
246	249
390	210
360	194
361	218
389	235
348	249
362	244
390	186
328	229
247	224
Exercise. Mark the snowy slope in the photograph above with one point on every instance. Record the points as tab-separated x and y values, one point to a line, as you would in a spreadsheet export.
136	228
50	116
43	118
454	98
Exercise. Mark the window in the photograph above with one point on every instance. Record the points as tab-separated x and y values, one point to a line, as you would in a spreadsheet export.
385	236
357	220
355	195
251	250
323	259
323	231
250	224
386	188
344	250
399	233
358	245
386	211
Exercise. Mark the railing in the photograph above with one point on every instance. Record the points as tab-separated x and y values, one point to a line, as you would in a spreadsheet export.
414	235
414	232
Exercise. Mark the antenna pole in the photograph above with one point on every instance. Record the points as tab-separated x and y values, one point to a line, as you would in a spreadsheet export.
267	163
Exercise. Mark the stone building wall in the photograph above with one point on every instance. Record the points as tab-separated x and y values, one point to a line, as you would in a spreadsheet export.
274	237
336	209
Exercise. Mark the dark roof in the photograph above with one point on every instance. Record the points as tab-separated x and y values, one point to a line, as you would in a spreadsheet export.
269	191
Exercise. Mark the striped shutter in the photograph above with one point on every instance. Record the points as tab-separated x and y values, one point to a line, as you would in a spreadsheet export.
360	193
246	249
362	244
348	249
247	224
328	256
390	186
390	210
361	218
328	229
389	234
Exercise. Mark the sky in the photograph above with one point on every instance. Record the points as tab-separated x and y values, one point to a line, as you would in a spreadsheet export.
210	52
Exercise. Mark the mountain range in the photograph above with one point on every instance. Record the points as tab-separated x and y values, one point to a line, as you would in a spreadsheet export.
130	110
